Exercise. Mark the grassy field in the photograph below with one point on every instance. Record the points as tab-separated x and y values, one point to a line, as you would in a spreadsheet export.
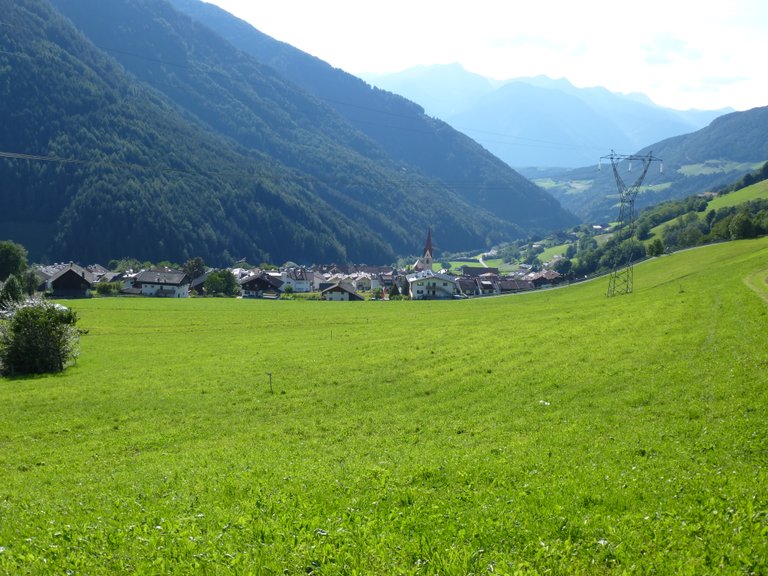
552	432
757	191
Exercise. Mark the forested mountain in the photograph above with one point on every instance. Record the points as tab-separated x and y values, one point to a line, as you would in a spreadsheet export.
718	155
399	126
539	121
153	137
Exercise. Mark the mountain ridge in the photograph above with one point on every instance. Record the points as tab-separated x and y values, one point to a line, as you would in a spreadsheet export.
603	119
155	179
429	144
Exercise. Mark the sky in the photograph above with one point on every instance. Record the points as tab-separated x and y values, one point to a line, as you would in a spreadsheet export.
681	53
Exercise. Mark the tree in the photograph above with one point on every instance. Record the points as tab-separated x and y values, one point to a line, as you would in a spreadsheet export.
643	230
11	293
39	338
655	248
742	226
563	266
194	267
29	282
221	283
13	259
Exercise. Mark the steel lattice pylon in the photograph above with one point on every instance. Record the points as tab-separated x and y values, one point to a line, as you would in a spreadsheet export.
622	275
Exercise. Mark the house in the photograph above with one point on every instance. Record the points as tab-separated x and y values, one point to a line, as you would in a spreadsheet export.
488	284
466	286
475	271
299	279
483	285
507	285
162	282
97	272
544	278
428	285
72	281
340	293
361	281
261	285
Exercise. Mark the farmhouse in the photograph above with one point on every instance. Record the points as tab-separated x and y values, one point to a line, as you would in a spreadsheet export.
261	285
71	281
544	278
340	293
162	282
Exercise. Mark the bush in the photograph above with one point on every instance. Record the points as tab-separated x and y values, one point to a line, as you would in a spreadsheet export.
11	292
38	338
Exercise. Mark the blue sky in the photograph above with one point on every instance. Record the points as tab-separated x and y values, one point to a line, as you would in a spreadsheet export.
681	53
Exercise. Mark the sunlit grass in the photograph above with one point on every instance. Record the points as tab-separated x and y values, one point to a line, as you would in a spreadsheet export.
554	431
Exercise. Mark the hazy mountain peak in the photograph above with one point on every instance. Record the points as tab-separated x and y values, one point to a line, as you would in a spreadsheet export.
530	128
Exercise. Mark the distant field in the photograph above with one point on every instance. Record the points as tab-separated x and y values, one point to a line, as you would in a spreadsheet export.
717	166
552	432
567	187
549	253
757	191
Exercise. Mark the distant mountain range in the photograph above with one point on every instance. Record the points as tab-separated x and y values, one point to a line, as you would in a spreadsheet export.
129	128
705	160
541	122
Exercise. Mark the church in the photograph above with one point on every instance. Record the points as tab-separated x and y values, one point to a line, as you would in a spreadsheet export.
425	262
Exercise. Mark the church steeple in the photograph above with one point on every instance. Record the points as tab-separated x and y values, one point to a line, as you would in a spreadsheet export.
425	262
428	246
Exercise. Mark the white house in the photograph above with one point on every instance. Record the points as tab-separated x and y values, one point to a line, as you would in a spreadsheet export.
429	285
163	282
340	293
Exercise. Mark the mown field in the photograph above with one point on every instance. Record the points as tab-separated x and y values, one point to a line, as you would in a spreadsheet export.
556	432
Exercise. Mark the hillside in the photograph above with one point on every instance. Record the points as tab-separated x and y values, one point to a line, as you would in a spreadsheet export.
718	155
399	126
561	432
538	121
188	147
288	177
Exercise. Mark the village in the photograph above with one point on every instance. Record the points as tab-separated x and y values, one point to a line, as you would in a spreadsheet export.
332	282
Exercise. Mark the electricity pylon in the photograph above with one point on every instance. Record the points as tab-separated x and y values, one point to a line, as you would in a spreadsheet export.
622	274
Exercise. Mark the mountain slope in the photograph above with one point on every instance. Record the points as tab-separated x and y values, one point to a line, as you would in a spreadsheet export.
400	127
538	121
715	156
138	174
142	180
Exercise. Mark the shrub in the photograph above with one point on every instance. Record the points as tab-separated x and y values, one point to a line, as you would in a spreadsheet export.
38	338
11	292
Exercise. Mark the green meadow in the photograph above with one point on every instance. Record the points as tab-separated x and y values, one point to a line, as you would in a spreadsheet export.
758	191
555	432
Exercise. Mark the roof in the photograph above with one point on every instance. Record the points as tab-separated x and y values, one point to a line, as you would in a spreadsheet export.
428	244
162	276
72	269
339	287
261	280
478	270
427	274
